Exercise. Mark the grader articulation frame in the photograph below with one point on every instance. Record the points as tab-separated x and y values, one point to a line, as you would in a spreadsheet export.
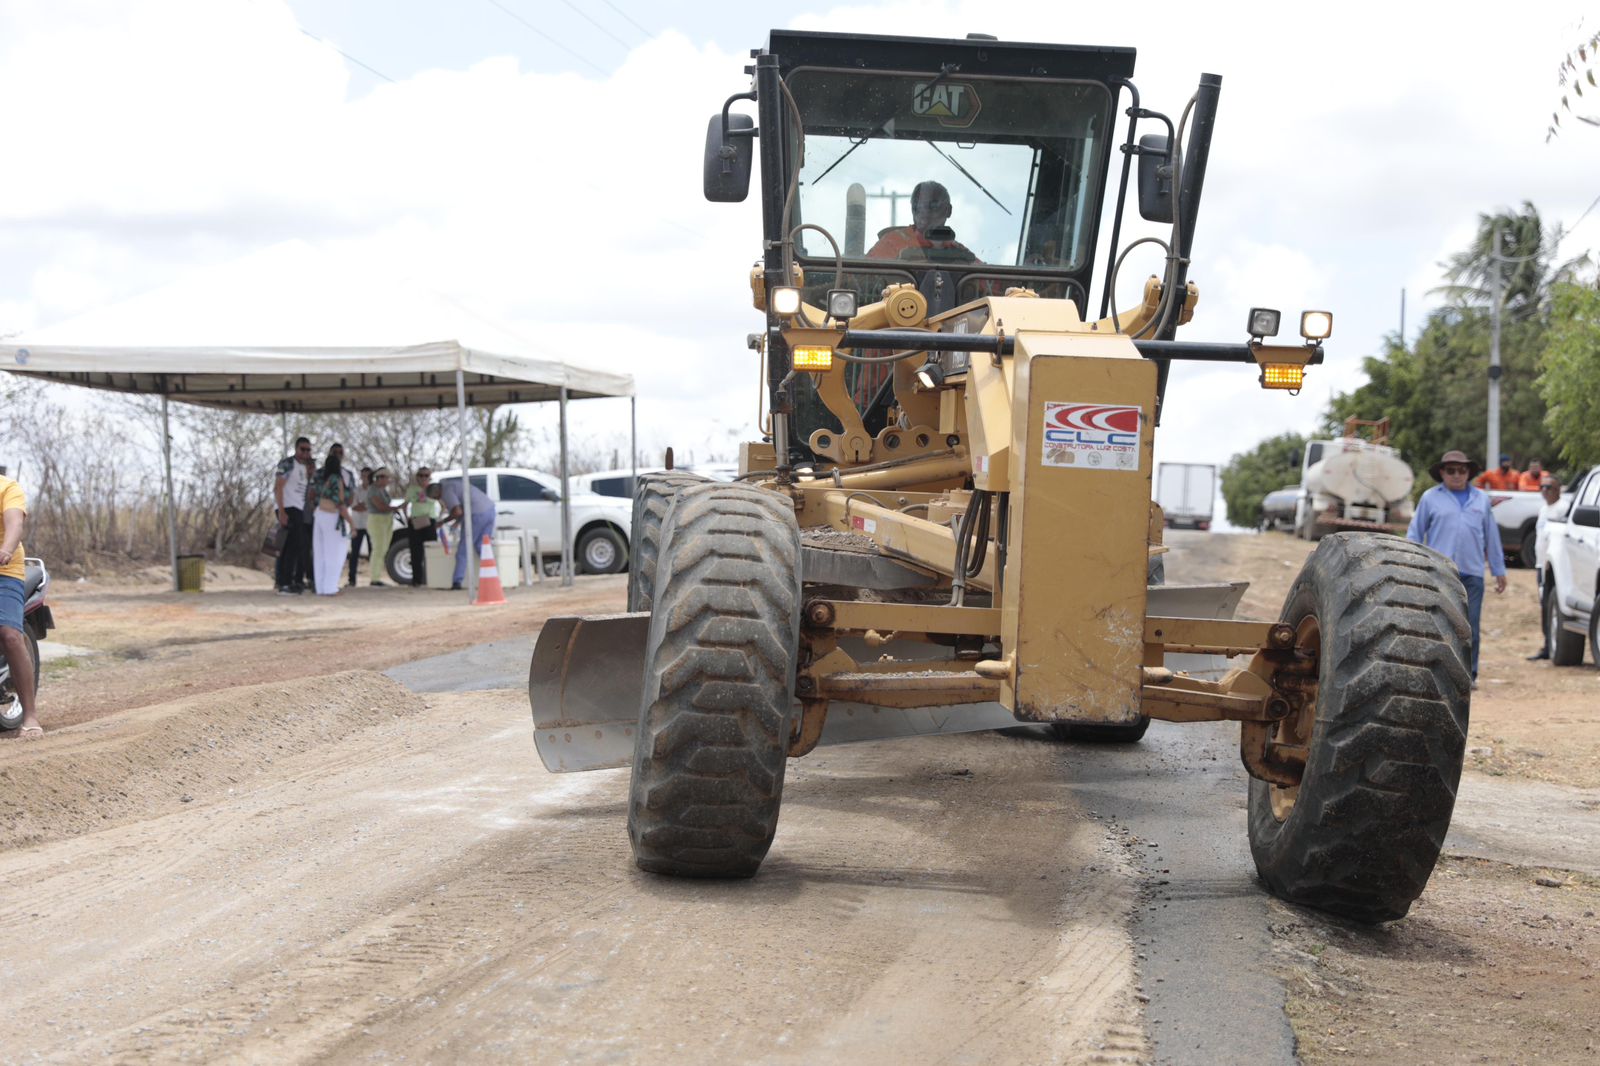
947	525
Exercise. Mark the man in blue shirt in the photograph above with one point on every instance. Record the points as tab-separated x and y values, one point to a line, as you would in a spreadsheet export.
1454	519
449	496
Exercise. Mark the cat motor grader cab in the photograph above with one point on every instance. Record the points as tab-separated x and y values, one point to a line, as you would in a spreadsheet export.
947	524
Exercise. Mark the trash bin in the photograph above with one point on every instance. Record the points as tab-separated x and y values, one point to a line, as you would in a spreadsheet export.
191	573
508	557
440	566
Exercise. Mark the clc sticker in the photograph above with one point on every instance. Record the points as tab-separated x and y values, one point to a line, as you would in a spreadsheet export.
1096	435
953	103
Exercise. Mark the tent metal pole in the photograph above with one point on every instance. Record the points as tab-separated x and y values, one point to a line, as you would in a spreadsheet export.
172	502
466	544
633	440
566	501
283	416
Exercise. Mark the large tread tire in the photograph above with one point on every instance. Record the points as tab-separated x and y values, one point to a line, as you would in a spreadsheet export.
717	707
651	498
1564	647
1369	817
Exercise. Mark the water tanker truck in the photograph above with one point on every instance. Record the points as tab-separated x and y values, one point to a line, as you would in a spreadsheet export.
1355	482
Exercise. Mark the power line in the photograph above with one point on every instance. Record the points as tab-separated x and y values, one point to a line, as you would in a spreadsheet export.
583	59
628	17
590	19
364	66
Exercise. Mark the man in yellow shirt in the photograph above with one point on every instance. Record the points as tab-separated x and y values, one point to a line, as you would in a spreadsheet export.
13	570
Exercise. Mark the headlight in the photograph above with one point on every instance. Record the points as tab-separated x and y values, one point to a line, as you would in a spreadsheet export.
1264	322
842	304
1316	325
786	300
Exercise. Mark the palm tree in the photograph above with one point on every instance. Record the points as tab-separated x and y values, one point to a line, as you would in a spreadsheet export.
1523	263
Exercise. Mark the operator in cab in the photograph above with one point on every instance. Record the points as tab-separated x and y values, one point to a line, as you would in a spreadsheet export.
930	213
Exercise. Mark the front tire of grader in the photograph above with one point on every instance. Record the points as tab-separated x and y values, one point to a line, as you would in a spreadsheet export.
652	496
1386	730
717	709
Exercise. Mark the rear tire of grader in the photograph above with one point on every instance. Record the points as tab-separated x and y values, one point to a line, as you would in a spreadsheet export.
651	498
1386	730
717	710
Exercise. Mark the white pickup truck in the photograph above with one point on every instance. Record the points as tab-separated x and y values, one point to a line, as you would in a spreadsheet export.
531	500
1572	576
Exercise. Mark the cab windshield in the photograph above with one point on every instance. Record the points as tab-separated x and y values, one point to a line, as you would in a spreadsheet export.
995	175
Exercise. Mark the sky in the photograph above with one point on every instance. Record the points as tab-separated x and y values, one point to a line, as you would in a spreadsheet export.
538	162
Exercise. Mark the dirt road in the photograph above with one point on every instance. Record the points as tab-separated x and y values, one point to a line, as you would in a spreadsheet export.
241	842
419	891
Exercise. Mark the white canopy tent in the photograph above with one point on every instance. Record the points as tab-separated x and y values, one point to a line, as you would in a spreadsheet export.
293	309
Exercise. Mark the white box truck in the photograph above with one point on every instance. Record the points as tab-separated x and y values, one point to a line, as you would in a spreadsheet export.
1185	492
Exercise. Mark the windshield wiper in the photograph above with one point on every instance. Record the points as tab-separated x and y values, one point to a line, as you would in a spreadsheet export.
945	70
966	173
818	179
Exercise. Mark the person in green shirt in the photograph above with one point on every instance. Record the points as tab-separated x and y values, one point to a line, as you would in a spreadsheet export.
380	520
422	519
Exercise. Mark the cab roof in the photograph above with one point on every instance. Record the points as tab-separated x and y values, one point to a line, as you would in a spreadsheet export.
800	48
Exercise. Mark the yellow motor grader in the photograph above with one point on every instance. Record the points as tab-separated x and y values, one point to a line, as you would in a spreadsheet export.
947	522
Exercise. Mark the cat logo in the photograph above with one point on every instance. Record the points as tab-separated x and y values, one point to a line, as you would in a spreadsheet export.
953	103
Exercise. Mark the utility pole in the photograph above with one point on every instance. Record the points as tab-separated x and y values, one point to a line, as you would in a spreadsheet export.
1493	457
1402	319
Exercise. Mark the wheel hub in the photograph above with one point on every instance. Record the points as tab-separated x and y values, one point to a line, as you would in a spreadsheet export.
1295	729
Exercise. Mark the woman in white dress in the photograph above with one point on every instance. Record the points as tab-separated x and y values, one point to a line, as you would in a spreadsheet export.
331	527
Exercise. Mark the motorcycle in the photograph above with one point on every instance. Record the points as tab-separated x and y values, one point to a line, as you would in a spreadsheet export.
37	620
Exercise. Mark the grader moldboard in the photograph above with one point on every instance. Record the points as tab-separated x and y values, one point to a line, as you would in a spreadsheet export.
948	525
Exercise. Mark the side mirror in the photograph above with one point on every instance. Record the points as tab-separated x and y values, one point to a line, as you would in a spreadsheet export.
1155	187
727	167
1586	516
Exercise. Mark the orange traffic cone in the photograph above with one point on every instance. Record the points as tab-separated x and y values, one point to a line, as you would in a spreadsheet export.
489	590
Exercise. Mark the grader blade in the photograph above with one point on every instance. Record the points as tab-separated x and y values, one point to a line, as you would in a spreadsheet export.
587	676
587	680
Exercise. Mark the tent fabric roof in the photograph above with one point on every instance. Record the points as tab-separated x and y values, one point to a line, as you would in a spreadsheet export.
315	379
309	331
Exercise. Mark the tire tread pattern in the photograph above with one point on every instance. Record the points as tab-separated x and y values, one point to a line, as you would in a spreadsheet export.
715	719
652	496
1387	747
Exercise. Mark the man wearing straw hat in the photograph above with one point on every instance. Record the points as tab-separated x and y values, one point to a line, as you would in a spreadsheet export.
1454	519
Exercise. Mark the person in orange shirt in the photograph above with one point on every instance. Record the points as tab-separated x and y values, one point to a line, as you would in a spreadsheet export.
13	572
1504	479
930	211
1532	478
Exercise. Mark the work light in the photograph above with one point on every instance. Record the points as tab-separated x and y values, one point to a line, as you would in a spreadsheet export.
786	300
1282	376
813	358
1316	325
842	304
1264	322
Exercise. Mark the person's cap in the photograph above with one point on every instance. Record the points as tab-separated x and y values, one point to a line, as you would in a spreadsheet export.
1454	456
1505	458
382	471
